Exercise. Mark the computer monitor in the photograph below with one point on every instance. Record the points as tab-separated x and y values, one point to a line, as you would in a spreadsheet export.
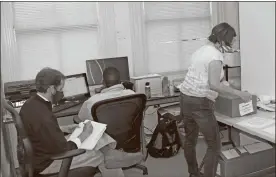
96	67
76	86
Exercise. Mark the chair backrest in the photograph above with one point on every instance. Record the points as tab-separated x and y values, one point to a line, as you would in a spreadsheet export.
123	116
25	151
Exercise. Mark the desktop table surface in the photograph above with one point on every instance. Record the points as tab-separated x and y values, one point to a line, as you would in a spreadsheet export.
150	102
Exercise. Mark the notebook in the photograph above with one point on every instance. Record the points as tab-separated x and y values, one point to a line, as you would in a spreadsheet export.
90	142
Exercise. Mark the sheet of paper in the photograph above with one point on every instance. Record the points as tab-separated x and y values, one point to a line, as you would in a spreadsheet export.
241	150
218	169
246	108
257	122
230	154
270	130
257	147
92	140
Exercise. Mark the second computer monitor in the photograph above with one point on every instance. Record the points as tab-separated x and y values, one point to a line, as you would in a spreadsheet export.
96	67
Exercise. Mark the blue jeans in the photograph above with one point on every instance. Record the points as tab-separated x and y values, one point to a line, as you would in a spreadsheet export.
198	115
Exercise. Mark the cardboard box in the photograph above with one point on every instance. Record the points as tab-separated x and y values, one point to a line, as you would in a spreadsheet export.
228	105
247	164
241	139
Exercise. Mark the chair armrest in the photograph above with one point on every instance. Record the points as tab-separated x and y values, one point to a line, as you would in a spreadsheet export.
68	154
76	119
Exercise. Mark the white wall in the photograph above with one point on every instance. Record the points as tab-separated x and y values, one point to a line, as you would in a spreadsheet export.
122	25
257	42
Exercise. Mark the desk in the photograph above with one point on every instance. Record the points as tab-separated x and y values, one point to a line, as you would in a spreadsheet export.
69	112
233	123
150	102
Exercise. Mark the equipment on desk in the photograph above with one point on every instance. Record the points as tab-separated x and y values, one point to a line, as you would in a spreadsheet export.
165	86
176	83
229	105
76	91
128	85
155	81
19	91
266	103
65	105
147	90
96	67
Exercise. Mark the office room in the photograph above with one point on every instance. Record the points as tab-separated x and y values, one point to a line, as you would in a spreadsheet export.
137	88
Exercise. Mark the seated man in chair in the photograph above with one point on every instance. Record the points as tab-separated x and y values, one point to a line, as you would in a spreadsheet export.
112	89
47	139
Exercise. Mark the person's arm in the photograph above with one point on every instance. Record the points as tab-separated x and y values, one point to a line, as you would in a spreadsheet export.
85	113
214	73
52	138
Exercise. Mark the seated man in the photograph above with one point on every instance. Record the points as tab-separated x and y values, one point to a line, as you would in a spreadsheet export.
47	139
112	89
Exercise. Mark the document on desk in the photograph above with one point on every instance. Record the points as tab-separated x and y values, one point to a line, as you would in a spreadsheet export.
257	147
230	154
92	140
270	130
246	108
257	122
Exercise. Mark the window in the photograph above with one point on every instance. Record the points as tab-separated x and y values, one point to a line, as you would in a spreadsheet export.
170	29
61	35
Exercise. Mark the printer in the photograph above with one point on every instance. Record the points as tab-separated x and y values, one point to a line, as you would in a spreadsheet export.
19	91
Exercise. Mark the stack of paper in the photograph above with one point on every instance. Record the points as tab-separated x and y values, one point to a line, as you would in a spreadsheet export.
92	140
257	147
230	154
257	122
270	130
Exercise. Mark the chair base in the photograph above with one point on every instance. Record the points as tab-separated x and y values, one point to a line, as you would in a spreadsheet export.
140	167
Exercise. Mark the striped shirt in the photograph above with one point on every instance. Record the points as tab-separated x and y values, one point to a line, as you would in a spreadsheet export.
196	81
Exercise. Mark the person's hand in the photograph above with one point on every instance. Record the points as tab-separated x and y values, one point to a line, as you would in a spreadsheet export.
69	128
87	131
245	96
88	128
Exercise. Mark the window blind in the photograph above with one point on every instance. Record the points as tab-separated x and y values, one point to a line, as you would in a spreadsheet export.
61	35
170	28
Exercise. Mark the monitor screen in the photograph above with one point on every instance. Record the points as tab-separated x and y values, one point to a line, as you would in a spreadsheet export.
96	67
75	86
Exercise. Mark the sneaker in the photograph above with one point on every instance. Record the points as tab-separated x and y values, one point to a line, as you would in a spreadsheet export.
119	159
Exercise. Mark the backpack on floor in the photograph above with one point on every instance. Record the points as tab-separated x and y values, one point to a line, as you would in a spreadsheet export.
165	141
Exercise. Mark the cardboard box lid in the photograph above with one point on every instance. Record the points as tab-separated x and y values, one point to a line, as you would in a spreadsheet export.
229	96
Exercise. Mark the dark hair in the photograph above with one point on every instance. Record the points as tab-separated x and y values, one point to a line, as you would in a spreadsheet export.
111	76
47	77
222	32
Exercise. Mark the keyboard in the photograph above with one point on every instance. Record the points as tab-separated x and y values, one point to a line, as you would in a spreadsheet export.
66	105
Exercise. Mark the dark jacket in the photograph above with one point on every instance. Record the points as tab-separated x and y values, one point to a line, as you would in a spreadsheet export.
45	135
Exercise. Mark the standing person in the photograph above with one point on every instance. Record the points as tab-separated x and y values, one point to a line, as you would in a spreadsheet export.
199	91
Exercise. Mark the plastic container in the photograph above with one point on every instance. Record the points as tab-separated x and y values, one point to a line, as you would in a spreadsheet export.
147	90
165	86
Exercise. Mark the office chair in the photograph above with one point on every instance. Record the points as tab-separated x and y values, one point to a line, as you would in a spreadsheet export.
25	154
123	116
